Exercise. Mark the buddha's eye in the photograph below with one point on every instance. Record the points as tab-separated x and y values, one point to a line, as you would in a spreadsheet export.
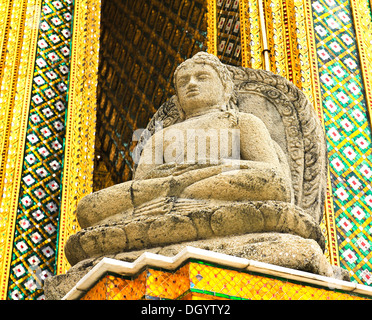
182	82
202	77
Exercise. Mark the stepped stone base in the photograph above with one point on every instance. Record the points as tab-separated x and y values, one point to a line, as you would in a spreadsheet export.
284	250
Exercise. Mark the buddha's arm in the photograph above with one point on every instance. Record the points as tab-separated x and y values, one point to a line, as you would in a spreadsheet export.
256	145
151	157
256	176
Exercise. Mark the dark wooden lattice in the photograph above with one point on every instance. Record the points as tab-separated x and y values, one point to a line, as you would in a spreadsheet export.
228	32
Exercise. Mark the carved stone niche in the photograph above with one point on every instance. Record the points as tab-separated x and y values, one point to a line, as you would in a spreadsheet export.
255	213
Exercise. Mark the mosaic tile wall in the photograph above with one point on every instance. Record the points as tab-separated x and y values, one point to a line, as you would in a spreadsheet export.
228	32
348	134
35	239
199	280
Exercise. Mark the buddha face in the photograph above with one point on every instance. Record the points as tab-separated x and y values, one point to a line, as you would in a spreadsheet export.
199	88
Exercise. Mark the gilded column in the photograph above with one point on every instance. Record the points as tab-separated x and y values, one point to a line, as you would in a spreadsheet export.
81	117
282	37
251	34
15	98
212	27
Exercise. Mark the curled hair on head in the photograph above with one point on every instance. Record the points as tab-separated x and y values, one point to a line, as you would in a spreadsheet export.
229	104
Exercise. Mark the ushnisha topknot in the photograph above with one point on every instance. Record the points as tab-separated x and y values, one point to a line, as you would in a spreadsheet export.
229	104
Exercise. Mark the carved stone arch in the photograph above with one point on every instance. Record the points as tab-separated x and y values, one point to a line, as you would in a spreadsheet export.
304	141
293	138
305	138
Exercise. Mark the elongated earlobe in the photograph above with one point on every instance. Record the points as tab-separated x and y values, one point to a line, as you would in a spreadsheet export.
180	110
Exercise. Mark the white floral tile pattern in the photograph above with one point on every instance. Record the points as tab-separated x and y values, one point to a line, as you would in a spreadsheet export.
348	134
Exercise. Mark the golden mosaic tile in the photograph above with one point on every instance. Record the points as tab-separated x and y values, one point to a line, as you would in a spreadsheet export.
167	285
199	281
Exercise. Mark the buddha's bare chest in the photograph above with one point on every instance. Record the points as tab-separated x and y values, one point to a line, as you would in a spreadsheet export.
208	138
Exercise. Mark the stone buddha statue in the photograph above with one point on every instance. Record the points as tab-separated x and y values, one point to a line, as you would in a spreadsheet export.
205	99
235	162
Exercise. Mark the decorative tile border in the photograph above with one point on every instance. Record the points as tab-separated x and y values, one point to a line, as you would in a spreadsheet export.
314	94
5	17
362	14
81	117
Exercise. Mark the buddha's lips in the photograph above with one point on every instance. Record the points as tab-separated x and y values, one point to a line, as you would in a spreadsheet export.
192	92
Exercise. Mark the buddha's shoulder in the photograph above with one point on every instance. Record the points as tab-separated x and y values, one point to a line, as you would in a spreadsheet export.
201	120
245	117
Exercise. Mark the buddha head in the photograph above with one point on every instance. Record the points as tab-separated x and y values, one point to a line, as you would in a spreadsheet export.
203	83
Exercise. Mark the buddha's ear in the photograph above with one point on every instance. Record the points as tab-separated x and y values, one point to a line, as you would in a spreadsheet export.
180	110
230	94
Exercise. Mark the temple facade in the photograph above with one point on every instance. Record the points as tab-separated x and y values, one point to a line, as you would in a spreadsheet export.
79	77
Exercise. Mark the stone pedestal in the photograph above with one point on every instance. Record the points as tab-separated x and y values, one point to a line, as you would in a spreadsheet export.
197	274
284	250
170	221
272	232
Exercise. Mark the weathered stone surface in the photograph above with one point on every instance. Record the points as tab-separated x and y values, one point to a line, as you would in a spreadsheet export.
173	220
285	250
238	153
57	287
101	204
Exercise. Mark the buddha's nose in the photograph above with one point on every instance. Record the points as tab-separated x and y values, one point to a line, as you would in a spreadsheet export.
192	82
